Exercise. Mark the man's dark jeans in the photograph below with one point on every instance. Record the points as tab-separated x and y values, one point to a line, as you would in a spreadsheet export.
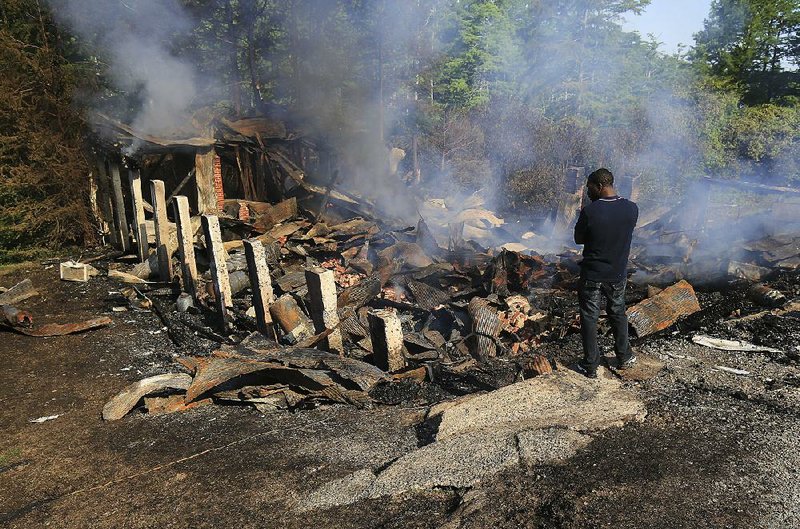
590	296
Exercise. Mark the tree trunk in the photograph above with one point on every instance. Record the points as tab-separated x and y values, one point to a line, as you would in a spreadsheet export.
381	116
233	58
581	54
294	58
415	156
251	64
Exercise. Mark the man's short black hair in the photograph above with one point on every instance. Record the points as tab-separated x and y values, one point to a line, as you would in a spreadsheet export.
602	178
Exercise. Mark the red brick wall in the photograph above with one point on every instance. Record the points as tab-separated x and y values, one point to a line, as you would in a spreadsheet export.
244	212
218	182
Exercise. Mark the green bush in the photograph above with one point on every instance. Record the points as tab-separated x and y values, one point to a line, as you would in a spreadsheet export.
44	187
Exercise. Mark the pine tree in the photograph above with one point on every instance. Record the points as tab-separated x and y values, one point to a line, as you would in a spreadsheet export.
752	46
44	185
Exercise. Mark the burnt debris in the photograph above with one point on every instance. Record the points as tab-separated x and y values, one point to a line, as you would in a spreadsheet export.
300	293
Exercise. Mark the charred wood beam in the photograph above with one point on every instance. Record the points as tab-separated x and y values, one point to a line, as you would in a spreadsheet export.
140	228
104	200
570	201
204	177
292	320
163	250
218	266
327	196
119	208
180	186
19	292
186	245
662	310
243	161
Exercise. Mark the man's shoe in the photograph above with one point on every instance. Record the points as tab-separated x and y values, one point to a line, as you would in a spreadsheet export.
578	368
629	363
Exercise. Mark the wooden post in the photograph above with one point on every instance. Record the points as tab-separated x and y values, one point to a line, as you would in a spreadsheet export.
386	334
635	188
186	245
140	228
260	284
573	183
698	204
219	269
570	202
104	199
627	186
119	208
204	177
294	323
322	292
163	251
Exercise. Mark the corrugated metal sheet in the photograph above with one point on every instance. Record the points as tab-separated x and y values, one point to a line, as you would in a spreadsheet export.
662	310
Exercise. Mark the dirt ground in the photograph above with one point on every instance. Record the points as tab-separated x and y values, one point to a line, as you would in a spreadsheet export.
716	449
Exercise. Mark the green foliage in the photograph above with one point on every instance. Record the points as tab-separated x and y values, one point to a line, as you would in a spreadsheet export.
764	141
763	133
750	142
43	169
716	108
499	95
480	50
752	46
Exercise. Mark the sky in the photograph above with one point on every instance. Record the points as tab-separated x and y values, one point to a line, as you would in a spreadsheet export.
671	21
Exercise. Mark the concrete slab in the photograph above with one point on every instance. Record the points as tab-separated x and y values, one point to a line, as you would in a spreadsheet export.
544	420
461	461
343	491
550	445
565	399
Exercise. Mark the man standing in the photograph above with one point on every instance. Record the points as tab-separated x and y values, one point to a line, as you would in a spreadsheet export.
604	228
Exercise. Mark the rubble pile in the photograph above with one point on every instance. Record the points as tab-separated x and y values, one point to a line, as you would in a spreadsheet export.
454	311
686	242
303	292
408	312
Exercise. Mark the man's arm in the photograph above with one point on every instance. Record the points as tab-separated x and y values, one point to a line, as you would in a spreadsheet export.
580	228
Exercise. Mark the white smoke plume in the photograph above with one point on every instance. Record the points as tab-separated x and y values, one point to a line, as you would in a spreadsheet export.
135	37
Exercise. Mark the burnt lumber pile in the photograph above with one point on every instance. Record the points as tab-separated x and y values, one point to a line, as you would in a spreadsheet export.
283	310
314	298
280	308
257	372
746	232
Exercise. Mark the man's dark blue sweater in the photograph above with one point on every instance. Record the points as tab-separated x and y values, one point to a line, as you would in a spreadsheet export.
605	228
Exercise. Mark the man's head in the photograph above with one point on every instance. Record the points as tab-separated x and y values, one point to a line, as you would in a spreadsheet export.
600	183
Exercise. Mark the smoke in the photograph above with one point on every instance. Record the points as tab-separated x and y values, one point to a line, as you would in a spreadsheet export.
352	85
589	94
554	84
135	37
542	86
